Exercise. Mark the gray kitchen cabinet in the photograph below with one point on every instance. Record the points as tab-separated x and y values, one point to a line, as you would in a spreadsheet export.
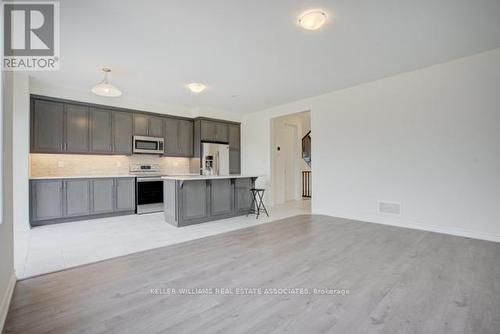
178	137
77	134
234	161
212	131
208	131
242	194
155	127
185	138
222	197
103	195
46	199
171	137
47	131
76	197
101	130
141	125
221	132
123	127
69	199
145	125
125	194
194	200
234	136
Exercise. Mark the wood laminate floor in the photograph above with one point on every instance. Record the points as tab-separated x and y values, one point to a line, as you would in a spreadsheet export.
399	281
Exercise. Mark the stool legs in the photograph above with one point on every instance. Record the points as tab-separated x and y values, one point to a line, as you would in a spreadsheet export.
257	205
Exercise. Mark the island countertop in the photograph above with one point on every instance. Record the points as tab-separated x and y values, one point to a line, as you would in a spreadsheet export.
207	177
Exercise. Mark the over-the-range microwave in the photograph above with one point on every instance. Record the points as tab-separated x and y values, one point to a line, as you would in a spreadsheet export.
148	145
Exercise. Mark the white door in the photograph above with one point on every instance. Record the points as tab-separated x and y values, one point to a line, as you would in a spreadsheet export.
290	162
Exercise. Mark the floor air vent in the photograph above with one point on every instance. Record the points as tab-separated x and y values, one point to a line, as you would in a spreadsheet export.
389	207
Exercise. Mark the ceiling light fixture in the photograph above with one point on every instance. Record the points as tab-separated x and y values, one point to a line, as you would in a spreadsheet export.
104	88
196	87
312	19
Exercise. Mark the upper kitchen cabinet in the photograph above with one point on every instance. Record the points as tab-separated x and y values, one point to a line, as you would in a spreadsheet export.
77	134
178	137
212	131
123	128
234	136
47	126
101	130
145	125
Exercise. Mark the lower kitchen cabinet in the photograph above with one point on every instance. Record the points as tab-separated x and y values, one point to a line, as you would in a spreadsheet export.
46	199
125	194
189	202
103	195
77	197
222	197
62	200
194	200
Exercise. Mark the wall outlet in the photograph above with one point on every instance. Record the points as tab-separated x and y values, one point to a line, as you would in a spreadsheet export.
60	164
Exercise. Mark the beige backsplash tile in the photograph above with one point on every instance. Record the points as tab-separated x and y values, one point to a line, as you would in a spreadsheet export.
79	165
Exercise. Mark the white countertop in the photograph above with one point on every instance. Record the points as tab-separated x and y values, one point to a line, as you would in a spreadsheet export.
206	177
78	177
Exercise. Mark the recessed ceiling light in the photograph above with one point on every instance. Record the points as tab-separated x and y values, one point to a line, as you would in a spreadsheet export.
104	88
196	87
312	19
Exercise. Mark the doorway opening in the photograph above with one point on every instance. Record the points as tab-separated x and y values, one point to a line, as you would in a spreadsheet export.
290	164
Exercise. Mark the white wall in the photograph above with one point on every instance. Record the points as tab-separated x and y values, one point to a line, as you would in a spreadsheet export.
427	139
7	277
21	128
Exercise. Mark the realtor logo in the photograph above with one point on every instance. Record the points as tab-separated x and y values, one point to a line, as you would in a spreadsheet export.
31	40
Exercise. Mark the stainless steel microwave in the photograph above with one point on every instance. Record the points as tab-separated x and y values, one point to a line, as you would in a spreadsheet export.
148	145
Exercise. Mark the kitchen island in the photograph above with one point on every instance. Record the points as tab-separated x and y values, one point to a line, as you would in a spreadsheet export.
197	199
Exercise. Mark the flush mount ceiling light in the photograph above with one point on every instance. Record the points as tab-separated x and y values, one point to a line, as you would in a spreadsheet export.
312	19
104	88
196	87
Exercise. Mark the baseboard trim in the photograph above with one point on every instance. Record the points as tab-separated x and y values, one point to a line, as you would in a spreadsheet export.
459	232
4	306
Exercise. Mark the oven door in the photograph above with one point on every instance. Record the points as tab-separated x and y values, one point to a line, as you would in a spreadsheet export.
151	145
149	195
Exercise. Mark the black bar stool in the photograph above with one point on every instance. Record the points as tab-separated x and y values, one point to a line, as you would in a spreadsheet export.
257	205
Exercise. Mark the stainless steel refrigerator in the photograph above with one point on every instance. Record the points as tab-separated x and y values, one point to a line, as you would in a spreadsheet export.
215	159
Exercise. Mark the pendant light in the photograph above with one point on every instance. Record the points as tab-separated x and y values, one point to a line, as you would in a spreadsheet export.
104	88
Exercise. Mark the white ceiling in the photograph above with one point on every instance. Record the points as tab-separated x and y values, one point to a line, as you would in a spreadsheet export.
252	54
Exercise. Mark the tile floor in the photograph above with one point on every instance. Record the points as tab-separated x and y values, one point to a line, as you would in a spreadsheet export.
55	247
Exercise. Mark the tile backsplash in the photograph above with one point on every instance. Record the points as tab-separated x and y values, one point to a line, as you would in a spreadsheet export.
81	165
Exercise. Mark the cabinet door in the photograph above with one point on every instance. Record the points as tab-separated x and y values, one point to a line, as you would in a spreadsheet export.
186	138
101	134
243	196
122	132
77	197
47	126
171	137
102	195
222	197
234	161
46	199
125	194
194	200
155	127
208	131
77	138
234	136
221	132
141	125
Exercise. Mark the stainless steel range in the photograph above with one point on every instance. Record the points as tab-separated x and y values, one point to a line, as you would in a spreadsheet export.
149	196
